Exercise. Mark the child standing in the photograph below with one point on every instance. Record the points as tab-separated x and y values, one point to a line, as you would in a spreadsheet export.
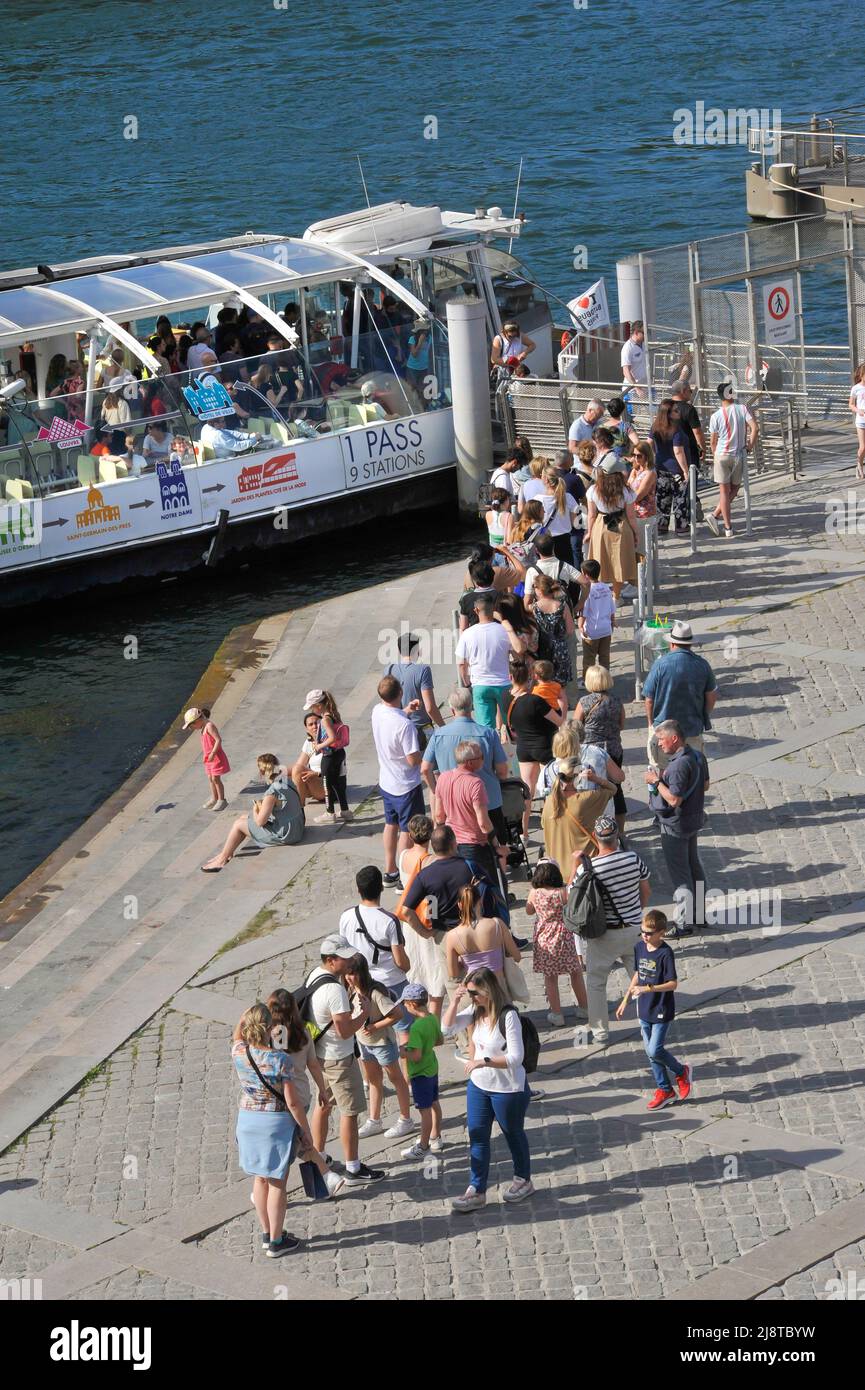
653	985
216	763
331	741
597	618
425	1035
555	948
549	689
379	1050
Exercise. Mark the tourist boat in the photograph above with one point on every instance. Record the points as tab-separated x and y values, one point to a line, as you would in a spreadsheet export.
354	421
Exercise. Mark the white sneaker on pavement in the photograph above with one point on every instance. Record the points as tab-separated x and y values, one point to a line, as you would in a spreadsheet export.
436	1145
519	1189
557	1020
415	1150
369	1128
219	806
712	523
404	1125
334	1182
470	1200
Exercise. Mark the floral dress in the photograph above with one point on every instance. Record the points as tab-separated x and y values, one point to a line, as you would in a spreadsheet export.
553	642
554	949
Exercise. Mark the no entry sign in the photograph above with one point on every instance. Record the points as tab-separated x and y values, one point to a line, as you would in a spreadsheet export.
778	314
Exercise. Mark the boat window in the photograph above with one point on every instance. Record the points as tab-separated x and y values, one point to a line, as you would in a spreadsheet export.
72	438
517	297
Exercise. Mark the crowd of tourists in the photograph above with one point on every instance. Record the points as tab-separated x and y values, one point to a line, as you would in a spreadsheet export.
526	747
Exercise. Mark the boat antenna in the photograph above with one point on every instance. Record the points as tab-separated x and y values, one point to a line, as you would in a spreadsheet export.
516	200
366	195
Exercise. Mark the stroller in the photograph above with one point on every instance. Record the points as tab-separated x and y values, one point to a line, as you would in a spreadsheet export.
515	799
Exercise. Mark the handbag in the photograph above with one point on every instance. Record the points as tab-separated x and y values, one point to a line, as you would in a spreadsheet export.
515	980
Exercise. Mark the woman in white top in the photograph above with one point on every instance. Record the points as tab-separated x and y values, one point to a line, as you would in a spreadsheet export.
509	344
613	530
497	1088
857	405
559	507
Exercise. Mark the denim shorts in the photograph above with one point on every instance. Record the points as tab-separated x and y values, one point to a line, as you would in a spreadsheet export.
424	1090
385	1053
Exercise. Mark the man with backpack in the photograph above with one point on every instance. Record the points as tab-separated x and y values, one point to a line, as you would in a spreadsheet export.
326	1012
623	883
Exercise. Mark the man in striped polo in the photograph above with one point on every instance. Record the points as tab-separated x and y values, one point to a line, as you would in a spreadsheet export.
626	880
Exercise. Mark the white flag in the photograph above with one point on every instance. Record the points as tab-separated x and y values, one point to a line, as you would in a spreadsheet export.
589	310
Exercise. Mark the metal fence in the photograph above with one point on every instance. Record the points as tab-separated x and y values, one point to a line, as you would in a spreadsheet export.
768	306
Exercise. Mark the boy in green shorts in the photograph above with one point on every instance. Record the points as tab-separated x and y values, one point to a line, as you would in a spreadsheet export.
424	1036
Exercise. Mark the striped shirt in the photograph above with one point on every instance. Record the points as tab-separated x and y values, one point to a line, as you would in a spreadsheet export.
621	874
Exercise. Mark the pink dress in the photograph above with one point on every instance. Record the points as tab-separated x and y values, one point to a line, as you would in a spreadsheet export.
554	948
213	766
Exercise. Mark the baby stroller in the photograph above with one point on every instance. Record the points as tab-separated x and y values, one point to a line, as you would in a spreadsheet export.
515	799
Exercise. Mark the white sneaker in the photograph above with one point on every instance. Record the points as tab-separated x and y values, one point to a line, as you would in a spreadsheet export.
402	1127
728	534
415	1150
470	1200
712	523
326	818
519	1189
208	805
436	1145
219	805
369	1128
557	1020
334	1182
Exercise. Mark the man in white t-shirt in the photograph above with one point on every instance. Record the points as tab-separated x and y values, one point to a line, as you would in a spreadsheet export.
634	369
399	780
502	475
482	656
378	936
732	430
329	1009
584	426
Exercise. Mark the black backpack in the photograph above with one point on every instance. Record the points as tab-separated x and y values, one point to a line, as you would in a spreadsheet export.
531	1041
302	996
585	911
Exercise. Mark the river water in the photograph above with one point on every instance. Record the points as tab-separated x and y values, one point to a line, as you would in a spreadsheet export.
248	114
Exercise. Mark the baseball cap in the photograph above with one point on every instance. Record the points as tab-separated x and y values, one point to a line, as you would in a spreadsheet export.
191	715
725	390
313	697
606	828
416	993
337	946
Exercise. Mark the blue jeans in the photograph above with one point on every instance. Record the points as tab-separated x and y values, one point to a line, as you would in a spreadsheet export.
663	1062
509	1109
577	539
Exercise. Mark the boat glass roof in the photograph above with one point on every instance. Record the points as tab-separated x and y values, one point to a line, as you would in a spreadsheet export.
140	291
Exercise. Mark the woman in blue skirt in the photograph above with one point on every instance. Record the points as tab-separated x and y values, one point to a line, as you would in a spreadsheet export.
271	1124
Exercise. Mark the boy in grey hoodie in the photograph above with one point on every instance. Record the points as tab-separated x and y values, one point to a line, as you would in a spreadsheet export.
597	618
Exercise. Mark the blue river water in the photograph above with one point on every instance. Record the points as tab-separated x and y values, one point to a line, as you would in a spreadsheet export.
248	114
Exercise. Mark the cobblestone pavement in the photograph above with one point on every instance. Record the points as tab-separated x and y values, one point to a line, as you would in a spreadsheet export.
628	1206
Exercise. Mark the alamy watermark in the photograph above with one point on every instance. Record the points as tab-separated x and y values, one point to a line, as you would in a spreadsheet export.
845	516
741	907
712	125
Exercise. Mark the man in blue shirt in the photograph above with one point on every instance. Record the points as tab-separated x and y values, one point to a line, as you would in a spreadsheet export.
418	695
681	686
440	755
676	798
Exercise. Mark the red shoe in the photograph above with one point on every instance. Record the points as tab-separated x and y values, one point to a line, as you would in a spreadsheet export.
684	1083
660	1099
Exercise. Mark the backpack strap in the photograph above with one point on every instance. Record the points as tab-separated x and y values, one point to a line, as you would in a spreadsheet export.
320	980
266	1084
602	887
376	945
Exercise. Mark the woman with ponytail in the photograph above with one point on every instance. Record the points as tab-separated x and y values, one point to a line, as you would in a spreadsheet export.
478	942
559	508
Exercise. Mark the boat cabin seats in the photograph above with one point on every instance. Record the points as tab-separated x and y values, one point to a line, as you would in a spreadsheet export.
87	469
342	415
110	470
18	489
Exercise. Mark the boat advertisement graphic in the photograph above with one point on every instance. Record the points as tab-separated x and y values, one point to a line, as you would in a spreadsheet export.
98	517
385	452
277	472
173	489
188	498
64	433
208	399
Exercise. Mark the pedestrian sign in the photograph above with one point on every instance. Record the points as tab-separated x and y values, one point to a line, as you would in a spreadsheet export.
778	314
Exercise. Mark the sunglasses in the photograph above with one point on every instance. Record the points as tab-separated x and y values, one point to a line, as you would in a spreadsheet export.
650	933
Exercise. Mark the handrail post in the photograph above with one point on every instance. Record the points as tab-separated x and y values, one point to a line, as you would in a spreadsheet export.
692	492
